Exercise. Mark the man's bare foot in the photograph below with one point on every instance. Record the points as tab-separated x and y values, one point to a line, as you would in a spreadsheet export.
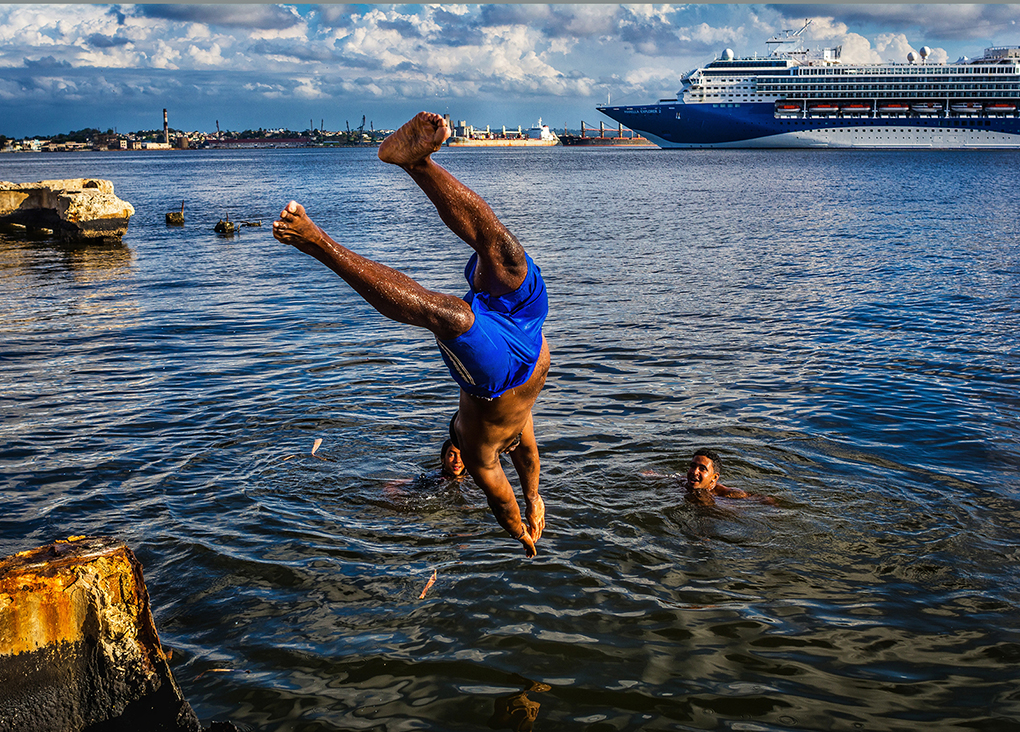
415	141
295	228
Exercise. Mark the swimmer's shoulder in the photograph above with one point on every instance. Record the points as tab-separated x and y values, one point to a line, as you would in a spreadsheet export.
721	490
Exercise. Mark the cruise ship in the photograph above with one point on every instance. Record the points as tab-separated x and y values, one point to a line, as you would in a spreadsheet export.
795	98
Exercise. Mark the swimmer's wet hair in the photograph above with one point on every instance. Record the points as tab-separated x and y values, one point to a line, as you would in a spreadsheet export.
713	456
446	446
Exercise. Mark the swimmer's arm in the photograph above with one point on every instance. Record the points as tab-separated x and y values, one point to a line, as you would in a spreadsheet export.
502	501
395	487
527	464
721	490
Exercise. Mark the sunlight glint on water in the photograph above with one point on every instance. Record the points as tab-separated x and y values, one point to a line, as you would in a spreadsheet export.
841	326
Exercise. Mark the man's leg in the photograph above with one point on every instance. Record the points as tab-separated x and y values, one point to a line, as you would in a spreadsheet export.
392	293
501	264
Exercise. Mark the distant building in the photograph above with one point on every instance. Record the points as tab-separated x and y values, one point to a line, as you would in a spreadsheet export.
24	145
260	142
107	142
69	146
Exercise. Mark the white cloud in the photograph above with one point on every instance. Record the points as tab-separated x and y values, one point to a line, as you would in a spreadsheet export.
210	56
164	56
857	49
197	31
591	20
307	89
650	76
403	56
893	47
709	36
824	29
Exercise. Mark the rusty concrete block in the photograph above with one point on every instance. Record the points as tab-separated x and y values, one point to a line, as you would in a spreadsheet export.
78	647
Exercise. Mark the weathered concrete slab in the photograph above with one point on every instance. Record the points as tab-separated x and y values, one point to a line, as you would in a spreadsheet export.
78	647
76	209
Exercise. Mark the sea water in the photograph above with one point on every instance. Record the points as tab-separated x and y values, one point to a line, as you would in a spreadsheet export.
841	326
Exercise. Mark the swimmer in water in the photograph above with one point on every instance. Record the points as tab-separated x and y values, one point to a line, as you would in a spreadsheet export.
702	481
451	470
452	465
491	340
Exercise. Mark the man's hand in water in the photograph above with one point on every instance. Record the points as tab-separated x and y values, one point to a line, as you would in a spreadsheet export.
533	529
526	463
503	503
529	544
536	518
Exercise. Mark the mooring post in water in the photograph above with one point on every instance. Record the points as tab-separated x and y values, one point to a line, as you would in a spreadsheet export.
174	218
78	646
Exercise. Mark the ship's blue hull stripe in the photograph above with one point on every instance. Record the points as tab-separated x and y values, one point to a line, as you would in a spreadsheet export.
751	124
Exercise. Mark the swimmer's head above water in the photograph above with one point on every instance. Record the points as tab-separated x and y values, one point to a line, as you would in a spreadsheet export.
704	471
452	465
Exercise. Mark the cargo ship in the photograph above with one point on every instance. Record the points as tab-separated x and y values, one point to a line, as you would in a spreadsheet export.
464	135
792	98
603	140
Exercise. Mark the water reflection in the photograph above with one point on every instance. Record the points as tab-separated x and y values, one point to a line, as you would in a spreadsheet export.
88	263
517	712
866	382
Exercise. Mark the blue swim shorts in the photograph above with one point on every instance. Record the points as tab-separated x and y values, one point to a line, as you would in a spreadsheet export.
501	348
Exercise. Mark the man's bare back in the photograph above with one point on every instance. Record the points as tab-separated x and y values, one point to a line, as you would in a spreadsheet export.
487	425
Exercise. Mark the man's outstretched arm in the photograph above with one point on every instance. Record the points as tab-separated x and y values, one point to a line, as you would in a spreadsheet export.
502	501
526	463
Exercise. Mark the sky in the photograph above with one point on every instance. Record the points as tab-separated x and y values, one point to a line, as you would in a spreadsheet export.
67	67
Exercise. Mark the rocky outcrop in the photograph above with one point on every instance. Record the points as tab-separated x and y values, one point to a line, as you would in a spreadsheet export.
78	647
77	209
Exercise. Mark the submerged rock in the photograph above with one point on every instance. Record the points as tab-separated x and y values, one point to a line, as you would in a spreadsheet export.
76	209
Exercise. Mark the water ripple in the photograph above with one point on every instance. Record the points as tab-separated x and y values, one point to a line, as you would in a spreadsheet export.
850	350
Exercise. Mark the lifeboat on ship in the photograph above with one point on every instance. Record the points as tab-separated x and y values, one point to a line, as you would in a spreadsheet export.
966	107
824	108
926	108
855	109
893	108
1000	108
788	109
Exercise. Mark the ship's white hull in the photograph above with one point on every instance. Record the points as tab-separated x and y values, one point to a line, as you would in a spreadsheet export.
865	138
